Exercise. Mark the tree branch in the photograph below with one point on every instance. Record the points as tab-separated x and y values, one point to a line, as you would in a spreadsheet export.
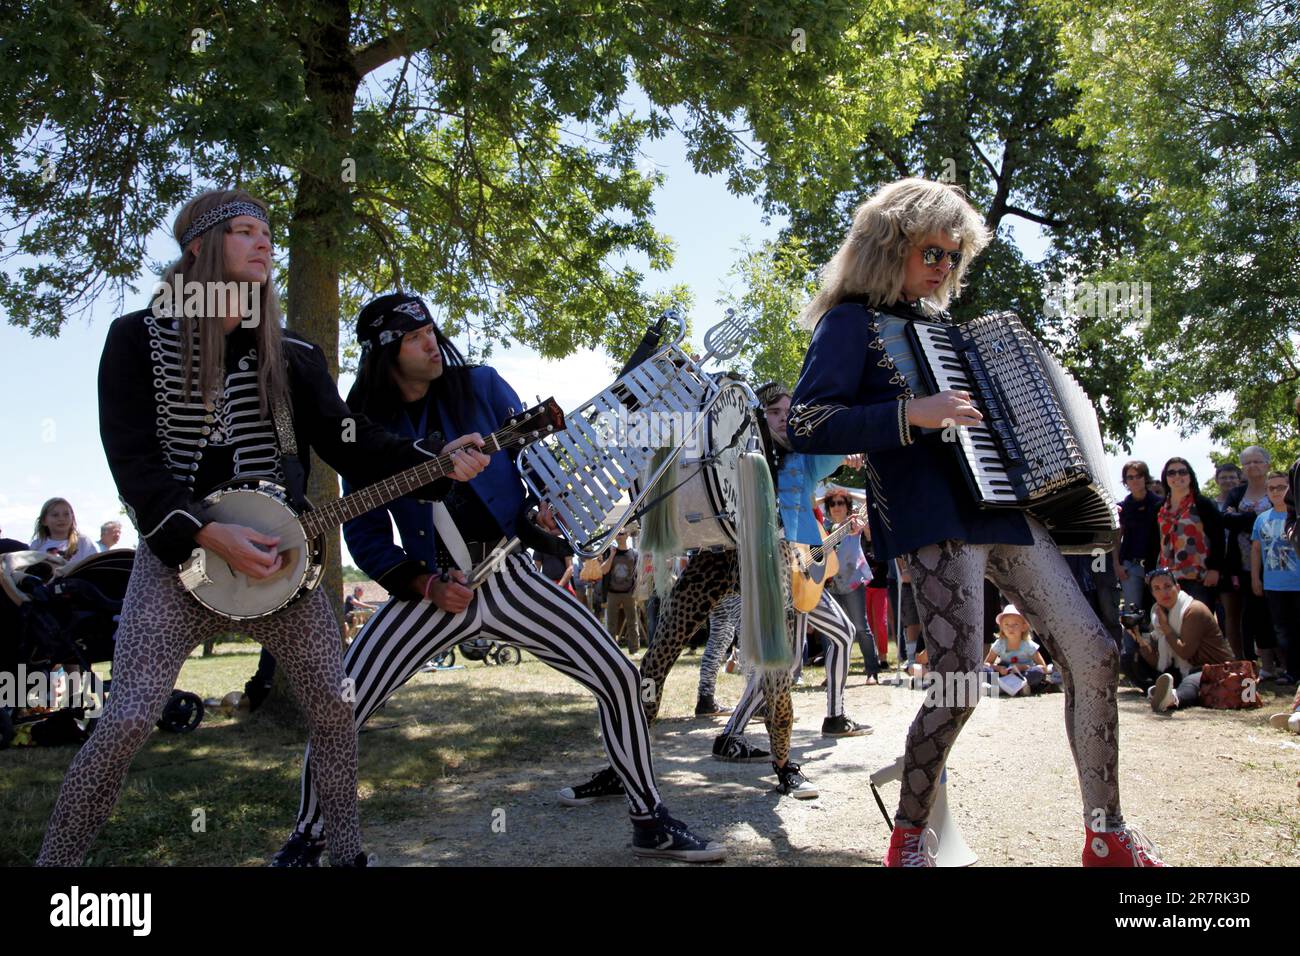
1033	217
372	56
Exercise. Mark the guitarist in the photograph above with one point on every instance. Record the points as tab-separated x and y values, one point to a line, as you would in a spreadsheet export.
414	380
185	404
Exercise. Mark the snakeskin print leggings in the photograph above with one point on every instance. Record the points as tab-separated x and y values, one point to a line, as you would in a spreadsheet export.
159	627
948	582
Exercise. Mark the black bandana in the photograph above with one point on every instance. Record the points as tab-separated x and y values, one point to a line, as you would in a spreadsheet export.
389	317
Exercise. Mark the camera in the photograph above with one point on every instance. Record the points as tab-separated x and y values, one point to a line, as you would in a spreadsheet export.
1131	616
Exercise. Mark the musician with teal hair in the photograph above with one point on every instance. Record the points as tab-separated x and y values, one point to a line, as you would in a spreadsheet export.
907	254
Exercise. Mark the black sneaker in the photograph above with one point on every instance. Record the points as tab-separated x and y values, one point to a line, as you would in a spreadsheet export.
362	859
669	839
736	749
708	707
841	726
602	785
791	782
301	850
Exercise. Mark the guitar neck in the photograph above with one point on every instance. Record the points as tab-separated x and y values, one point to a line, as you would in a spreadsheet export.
382	492
818	551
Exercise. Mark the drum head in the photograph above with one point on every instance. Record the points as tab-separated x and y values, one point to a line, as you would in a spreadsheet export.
709	501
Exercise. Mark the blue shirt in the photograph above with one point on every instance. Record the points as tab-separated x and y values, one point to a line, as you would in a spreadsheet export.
498	492
853	572
1280	564
1141	529
1024	654
794	492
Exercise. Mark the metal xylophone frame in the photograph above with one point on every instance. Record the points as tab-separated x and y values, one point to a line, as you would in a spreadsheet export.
668	381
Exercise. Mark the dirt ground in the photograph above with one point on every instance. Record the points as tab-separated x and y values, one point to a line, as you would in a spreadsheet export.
1208	787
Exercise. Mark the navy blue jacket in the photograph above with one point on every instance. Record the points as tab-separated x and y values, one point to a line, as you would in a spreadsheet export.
849	400
498	487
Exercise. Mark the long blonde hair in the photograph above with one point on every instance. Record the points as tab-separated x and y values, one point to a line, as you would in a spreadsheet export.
209	265
872	259
41	533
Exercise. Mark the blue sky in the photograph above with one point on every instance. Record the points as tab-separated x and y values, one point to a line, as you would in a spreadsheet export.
50	427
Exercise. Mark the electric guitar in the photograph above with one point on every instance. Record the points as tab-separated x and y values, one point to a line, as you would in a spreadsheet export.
814	565
264	506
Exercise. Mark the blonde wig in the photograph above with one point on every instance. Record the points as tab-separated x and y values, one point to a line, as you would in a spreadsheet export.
871	261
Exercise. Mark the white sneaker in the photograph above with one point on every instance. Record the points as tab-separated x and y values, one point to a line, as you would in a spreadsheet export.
1162	695
1286	721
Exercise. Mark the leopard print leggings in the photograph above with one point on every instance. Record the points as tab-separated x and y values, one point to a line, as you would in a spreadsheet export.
159	627
948	583
710	577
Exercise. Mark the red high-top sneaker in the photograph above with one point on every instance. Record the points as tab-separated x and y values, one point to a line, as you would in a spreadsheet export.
1124	847
907	847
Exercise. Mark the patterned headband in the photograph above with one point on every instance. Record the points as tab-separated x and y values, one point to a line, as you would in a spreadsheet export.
219	215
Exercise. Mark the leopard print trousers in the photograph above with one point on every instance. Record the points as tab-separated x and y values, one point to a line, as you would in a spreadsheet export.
710	577
948	584
160	625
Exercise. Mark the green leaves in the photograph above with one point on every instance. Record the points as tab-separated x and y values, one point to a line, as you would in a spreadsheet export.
495	156
1197	110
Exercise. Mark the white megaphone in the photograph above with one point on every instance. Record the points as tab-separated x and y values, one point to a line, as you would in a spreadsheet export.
951	848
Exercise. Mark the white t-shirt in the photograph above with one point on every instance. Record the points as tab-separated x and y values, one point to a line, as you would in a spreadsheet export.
85	547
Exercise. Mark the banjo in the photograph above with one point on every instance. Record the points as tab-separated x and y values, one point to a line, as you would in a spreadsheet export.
264	506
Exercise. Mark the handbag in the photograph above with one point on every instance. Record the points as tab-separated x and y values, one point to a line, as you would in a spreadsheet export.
1230	686
590	570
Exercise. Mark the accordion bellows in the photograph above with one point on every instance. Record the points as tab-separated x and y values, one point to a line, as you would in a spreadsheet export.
1039	447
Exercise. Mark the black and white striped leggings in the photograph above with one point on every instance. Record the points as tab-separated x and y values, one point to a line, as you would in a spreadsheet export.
517	605
834	625
724	625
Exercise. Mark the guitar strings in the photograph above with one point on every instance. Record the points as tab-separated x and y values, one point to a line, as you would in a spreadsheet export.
503	438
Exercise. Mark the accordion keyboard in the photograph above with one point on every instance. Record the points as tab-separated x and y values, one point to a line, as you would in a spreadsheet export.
978	443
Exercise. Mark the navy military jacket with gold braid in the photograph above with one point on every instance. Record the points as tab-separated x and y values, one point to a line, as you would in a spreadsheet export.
849	399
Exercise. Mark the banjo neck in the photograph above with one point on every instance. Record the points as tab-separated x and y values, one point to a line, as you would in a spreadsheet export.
330	516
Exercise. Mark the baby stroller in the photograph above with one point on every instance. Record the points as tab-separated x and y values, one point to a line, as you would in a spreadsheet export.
54	616
480	649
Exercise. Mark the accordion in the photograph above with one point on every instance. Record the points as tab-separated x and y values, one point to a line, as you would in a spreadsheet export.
1039	447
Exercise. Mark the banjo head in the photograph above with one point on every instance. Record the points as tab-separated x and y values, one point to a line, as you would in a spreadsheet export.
264	507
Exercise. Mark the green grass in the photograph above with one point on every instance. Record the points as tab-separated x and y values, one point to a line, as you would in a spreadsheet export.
244	772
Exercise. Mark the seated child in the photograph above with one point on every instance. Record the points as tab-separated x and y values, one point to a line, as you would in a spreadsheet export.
1015	652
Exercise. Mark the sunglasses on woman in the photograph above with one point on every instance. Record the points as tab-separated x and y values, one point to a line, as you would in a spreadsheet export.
1177	472
838	502
933	255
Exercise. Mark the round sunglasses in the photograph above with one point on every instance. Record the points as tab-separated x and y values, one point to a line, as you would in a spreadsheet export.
933	255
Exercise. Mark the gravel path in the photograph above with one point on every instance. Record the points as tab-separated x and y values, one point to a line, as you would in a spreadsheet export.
1209	787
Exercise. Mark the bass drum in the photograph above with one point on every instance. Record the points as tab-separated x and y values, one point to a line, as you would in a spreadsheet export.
707	501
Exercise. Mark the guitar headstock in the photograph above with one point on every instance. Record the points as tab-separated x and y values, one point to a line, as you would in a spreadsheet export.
528	426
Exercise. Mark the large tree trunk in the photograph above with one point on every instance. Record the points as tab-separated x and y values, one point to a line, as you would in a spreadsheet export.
321	215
